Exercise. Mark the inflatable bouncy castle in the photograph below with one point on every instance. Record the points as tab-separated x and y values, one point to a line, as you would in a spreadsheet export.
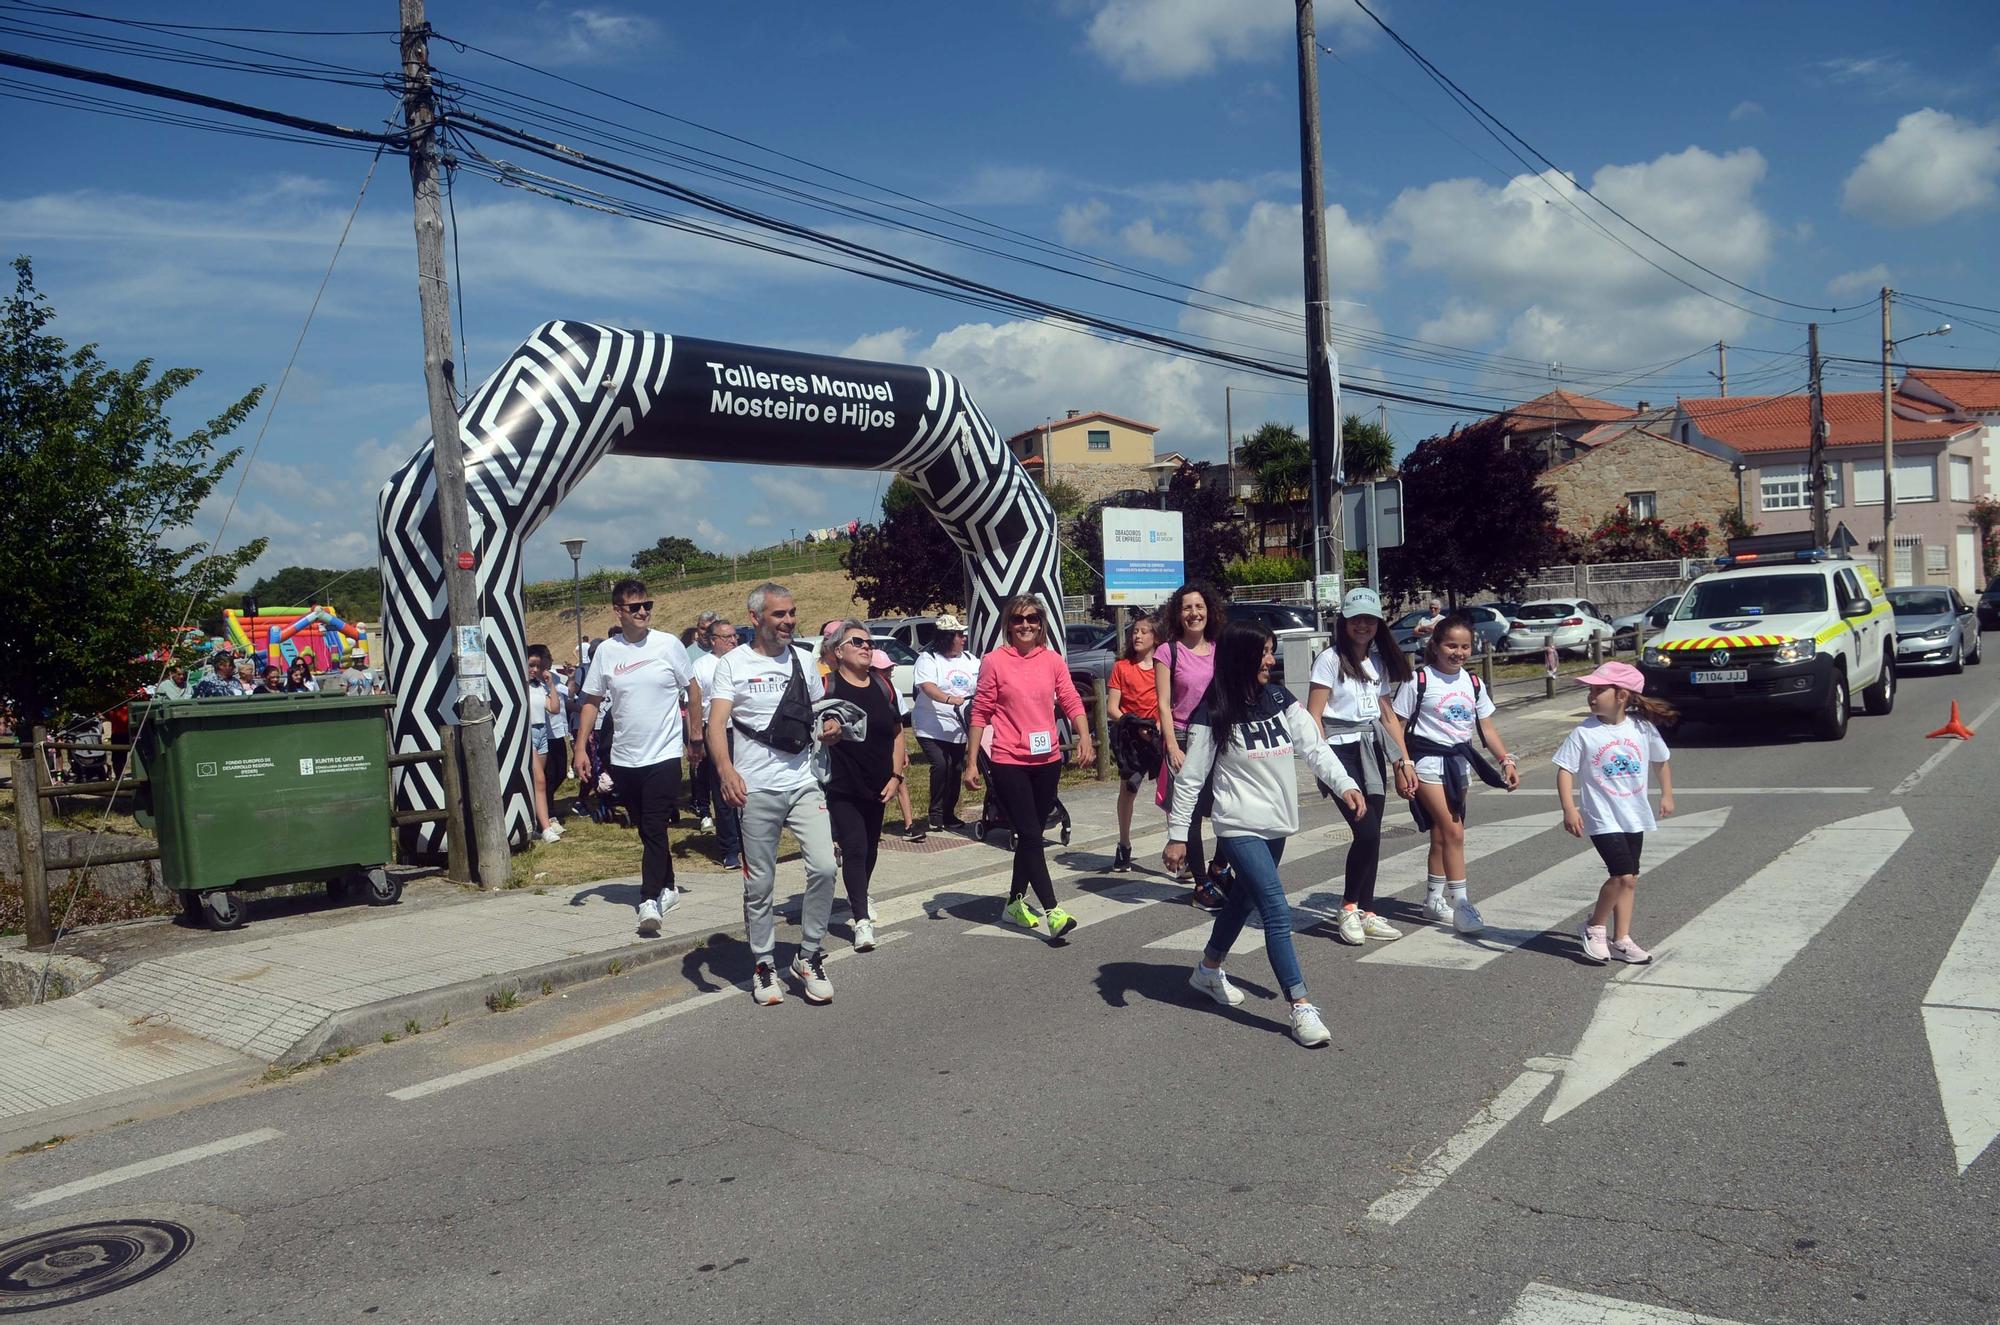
284	633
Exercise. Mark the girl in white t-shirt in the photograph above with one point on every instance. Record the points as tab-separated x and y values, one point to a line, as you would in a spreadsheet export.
1441	711
1348	697
1608	755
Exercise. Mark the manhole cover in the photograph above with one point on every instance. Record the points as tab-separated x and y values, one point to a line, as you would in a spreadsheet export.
82	1261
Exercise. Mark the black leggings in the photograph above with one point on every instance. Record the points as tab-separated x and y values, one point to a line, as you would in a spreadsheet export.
857	830
1365	852
947	761
1027	793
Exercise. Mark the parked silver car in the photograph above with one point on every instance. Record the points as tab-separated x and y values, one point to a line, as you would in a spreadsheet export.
1625	629
1934	627
1489	628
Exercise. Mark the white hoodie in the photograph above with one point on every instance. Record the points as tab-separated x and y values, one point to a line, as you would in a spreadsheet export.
1256	790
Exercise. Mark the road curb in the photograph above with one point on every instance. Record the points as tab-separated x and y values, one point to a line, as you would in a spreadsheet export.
367	1024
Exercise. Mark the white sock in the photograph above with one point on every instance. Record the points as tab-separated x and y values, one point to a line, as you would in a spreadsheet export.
1433	885
1456	889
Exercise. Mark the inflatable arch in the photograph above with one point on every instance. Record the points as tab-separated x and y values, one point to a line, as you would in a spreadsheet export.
575	393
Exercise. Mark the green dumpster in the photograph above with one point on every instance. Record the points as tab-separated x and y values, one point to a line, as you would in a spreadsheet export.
264	790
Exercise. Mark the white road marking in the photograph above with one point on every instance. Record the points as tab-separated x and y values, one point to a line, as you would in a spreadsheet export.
1542	1304
1728	954
1531	908
1962	1022
1925	769
543	1053
1321	902
1411	1192
127	1172
1711	791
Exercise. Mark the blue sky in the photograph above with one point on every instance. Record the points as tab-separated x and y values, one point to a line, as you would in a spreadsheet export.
1813	161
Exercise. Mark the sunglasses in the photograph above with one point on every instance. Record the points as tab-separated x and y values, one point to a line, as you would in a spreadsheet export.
1025	619
634	608
862	640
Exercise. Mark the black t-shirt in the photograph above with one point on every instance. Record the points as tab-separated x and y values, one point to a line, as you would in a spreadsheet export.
862	768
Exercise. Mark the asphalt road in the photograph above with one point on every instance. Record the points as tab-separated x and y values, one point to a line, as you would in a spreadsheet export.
983	1126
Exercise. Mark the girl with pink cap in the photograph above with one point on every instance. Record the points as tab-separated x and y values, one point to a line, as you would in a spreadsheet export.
1610	753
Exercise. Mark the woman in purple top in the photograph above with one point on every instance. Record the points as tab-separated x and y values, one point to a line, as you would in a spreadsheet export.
1183	664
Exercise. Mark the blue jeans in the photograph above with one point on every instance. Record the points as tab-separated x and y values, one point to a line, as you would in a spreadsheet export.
1255	860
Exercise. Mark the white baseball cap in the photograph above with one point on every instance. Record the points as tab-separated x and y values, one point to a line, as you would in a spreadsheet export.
1362	601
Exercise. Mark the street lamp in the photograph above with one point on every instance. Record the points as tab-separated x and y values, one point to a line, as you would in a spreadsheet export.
574	546
1163	472
1889	440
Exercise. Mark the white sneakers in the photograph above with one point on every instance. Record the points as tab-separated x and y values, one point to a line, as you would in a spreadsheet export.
553	833
1375	927
1307	1028
864	936
1437	907
653	910
764	986
707	823
1595	948
1352	931
1216	985
810	972
1465	917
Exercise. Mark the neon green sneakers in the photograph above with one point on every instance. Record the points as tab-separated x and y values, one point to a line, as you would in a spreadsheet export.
1060	921
1018	912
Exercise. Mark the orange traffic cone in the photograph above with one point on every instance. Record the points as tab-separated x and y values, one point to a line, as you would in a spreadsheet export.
1954	728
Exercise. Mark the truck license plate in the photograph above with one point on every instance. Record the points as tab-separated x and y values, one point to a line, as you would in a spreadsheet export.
1709	678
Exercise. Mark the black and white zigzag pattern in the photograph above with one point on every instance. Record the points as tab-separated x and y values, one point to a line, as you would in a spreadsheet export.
575	392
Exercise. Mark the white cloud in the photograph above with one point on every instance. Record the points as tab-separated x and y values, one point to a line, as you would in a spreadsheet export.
565	35
1573	294
1082	223
1159	40
1460	323
1160	245
1865	281
1745	110
1262	266
1933	165
1003	186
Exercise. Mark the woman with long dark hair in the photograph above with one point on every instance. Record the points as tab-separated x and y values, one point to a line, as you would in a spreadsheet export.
1020	687
1183	662
1348	697
1241	741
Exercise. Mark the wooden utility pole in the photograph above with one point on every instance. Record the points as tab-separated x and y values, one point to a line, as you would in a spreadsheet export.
1816	449
1888	454
1322	408
456	554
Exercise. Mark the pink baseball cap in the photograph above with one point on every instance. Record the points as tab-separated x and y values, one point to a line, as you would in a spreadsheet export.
1623	675
880	661
829	630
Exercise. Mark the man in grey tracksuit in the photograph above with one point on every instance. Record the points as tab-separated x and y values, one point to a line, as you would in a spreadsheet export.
775	789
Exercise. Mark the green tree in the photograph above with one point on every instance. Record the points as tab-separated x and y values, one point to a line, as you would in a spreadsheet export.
673	553
1279	462
1474	517
907	563
97	568
355	594
1366	449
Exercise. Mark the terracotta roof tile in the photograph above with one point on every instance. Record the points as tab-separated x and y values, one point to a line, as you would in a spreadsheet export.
1784	423
1971	389
1558	407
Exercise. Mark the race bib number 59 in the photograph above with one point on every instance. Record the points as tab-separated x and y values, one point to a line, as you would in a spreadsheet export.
1040	743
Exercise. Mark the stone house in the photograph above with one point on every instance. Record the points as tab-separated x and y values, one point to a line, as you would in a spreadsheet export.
1551	425
1099	453
1637	464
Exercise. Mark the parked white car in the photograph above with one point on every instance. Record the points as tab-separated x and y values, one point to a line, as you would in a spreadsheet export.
1575	622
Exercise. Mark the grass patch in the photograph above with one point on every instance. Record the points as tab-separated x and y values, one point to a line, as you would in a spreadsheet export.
34	1146
273	1075
503	1000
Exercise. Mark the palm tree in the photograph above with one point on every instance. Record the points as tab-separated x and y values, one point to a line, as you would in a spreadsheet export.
1281	465
1367	450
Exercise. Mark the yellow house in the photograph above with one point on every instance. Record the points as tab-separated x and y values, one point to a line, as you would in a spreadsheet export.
1079	438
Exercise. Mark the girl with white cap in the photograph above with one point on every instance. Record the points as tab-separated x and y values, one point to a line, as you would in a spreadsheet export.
1351	682
1610	752
946	674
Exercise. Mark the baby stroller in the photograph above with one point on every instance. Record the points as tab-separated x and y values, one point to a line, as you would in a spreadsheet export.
993	815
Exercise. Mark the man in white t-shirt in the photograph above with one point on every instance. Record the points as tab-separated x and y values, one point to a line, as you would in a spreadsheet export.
644	674
708	797
762	753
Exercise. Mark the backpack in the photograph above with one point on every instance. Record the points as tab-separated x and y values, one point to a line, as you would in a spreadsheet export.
790	729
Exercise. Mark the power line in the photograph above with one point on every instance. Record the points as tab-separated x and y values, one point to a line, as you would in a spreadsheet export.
1483	116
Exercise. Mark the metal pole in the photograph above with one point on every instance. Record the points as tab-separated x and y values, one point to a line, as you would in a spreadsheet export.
576	587
28	843
1374	539
475	714
1229	444
1100	722
1322	415
1816	450
1888	455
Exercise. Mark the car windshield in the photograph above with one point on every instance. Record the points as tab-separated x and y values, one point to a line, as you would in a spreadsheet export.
1545	611
899	652
1410	620
1920	602
1753	595
1081	635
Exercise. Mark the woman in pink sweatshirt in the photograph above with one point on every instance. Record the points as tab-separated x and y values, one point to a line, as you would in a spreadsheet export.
1020	688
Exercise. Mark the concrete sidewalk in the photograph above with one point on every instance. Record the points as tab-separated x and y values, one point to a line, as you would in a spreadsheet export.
212	1011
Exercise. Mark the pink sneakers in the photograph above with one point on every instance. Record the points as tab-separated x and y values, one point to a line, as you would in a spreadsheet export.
1594	947
1625	950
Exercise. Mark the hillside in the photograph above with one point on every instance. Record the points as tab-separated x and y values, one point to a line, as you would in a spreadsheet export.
820	595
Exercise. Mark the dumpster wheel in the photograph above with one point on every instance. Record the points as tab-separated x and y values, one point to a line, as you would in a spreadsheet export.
382	889
222	909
